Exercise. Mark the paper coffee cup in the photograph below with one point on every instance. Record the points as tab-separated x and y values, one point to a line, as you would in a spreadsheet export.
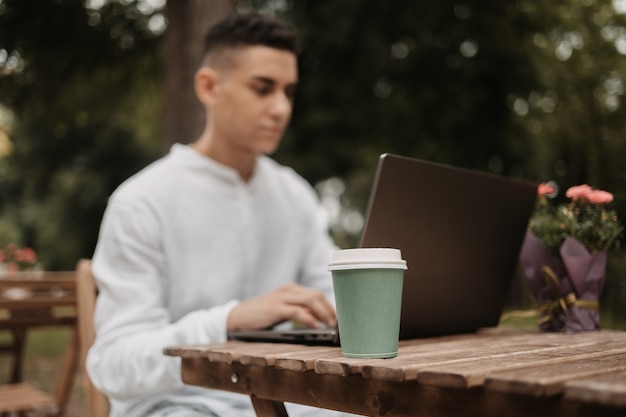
368	295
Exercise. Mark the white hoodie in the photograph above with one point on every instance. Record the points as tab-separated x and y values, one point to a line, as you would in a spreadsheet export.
180	243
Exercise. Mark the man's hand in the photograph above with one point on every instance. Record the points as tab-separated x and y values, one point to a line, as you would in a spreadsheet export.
288	302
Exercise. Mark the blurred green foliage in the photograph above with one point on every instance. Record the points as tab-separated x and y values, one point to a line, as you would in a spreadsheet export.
85	93
528	88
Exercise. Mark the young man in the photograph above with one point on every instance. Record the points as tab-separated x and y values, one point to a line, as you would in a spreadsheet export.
214	236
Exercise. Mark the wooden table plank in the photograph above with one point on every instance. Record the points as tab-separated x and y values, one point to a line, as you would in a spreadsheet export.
551	379
227	352
305	361
465	374
607	389
260	354
410	351
409	368
36	322
188	351
429	352
65	281
355	394
268	354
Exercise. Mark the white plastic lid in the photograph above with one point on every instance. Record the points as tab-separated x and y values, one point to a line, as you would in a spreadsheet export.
367	258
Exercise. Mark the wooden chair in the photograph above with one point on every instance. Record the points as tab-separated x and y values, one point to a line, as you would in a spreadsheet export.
31	300
97	403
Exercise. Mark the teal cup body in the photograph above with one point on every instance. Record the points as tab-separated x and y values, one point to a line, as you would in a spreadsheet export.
368	297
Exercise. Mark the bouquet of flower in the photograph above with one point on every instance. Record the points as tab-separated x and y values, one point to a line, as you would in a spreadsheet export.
15	259
564	256
586	218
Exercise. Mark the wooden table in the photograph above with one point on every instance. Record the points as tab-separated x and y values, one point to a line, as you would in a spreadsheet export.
32	300
495	372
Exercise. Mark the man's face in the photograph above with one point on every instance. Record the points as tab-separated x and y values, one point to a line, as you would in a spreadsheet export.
253	99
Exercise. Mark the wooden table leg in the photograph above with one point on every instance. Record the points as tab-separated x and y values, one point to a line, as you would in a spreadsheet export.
19	342
268	408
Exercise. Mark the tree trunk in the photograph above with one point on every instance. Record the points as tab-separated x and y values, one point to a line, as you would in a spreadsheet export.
187	23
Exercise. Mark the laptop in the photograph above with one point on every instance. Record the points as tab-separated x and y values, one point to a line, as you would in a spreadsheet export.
460	232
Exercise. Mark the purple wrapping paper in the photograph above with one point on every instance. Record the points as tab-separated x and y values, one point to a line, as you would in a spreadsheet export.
580	277
586	273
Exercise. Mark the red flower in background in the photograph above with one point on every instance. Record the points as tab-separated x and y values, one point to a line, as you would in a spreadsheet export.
599	197
578	192
546	189
15	259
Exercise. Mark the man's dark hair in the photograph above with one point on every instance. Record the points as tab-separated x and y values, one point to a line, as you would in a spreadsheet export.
250	29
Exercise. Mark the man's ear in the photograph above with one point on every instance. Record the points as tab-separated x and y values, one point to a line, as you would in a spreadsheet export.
205	83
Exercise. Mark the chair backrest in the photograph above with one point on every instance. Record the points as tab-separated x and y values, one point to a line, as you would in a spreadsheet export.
86	289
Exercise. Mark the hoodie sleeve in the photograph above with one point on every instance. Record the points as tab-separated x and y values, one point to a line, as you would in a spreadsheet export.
133	325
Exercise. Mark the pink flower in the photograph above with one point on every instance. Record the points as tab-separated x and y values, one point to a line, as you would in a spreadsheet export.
26	255
599	197
579	191
545	189
15	258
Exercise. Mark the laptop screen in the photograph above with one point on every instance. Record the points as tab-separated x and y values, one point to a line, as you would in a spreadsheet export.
460	232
